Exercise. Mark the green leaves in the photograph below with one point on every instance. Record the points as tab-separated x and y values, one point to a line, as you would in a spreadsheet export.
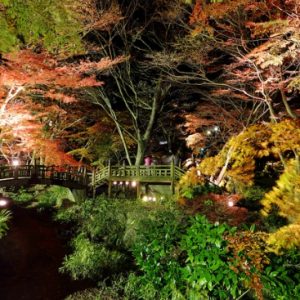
5	216
190	257
281	279
51	24
206	263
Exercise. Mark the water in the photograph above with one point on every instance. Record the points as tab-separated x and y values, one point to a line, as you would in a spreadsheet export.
30	255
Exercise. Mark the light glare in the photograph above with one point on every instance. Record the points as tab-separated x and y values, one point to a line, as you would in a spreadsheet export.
3	202
15	162
230	203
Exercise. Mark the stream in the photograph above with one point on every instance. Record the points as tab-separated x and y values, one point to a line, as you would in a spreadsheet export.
30	255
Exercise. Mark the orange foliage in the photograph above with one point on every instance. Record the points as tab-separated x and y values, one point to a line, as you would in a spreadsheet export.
24	119
216	208
29	69
249	254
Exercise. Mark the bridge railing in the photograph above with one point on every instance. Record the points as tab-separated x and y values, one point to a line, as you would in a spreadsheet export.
124	172
65	173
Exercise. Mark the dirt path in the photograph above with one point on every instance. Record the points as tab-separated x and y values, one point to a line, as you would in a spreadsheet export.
30	256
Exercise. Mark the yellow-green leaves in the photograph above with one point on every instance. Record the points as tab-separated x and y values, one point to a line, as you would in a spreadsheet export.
286	196
50	24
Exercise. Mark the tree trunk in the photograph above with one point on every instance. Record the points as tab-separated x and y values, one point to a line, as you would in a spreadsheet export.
224	168
286	105
140	152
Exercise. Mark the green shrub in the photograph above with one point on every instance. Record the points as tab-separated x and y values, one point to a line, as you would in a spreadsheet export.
281	279
185	259
106	231
207	268
158	255
91	259
98	246
153	251
252	195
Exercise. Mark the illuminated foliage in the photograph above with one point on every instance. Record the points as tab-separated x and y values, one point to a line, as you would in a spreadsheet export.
249	257
50	24
285	195
5	216
278	141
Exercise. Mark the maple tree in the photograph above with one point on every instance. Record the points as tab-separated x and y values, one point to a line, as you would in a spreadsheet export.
238	56
260	43
141	100
39	71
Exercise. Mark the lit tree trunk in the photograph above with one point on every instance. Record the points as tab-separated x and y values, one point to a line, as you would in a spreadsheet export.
286	105
142	141
140	153
224	168
13	92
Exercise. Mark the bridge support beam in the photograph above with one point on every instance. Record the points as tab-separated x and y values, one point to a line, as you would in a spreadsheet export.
109	188
138	190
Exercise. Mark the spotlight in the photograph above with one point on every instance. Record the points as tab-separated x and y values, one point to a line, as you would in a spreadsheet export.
230	203
133	183
15	162
115	183
3	203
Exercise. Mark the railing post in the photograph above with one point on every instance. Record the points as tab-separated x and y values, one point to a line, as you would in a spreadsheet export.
124	169
52	169
84	178
16	172
172	176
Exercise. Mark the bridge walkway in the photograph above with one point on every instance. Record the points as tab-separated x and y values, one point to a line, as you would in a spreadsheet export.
137	176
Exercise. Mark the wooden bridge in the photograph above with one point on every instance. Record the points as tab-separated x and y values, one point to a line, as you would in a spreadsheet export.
136	176
23	175
79	178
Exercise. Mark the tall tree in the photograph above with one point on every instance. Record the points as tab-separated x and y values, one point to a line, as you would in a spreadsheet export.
140	97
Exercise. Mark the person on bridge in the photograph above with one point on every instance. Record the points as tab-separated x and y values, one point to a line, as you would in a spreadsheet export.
148	160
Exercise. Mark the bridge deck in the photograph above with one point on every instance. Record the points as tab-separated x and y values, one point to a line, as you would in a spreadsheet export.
77	178
156	174
39	174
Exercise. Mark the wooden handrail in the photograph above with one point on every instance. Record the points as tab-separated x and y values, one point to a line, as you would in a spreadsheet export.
71	175
140	173
58	173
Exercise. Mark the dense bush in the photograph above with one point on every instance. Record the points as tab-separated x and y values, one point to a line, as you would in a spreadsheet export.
42	196
188	260
281	279
106	230
155	251
192	184
98	247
